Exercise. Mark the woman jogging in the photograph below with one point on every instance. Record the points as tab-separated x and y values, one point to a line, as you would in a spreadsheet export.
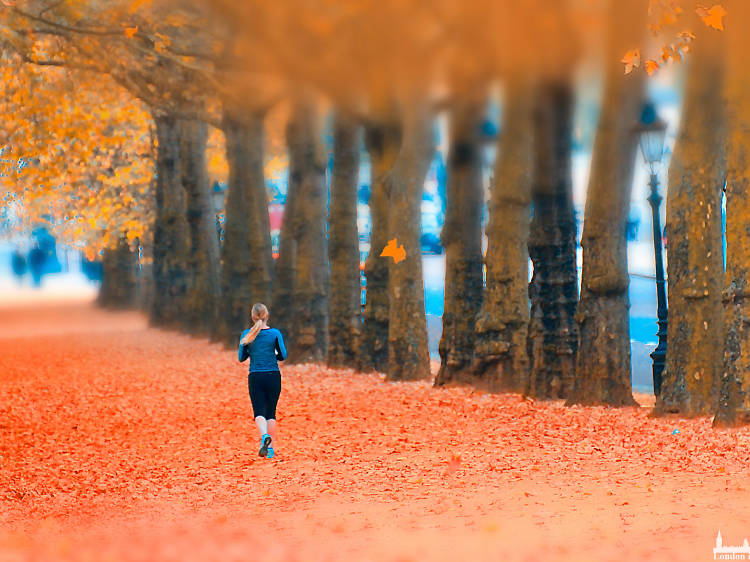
263	345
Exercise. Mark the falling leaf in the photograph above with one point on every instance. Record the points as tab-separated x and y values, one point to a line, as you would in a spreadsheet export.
393	250
712	17
686	35
632	59
651	66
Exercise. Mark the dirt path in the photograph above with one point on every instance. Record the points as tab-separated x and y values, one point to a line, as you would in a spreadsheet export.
123	443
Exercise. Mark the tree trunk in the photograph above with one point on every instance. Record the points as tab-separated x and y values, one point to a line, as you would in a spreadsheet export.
696	178
309	342
382	140
171	236
346	308
553	290
462	240
734	391
603	368
144	280
246	252
502	326
286	263
203	261
118	288
408	354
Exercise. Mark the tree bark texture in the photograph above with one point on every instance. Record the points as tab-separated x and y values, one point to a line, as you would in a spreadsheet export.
246	252
144	280
203	262
345	325
697	172
408	355
603	364
553	290
502	358
462	239
734	391
171	235
382	141
310	293
118	289
285	273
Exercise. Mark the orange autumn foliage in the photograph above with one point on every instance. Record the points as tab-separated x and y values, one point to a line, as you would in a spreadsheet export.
358	54
87	146
713	16
632	59
668	22
160	437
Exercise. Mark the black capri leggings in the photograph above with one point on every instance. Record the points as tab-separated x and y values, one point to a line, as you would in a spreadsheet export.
265	387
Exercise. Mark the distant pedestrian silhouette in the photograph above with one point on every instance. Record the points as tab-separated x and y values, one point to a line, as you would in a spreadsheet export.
37	258
18	264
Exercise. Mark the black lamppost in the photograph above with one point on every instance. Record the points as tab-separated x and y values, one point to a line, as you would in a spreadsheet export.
652	131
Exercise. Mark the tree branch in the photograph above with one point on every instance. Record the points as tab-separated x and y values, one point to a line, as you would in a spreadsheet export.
51	7
62	63
68	28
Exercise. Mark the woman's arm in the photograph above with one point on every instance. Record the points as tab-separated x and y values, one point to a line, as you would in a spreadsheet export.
280	347
242	353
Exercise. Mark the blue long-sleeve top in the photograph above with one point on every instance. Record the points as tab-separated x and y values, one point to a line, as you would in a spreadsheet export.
264	350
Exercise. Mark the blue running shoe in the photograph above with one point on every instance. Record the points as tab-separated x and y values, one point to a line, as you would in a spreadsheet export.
270	454
265	442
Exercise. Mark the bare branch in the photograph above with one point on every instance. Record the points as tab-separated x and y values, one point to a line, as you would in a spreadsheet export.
51	7
69	28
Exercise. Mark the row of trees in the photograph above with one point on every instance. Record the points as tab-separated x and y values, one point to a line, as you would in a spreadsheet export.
227	64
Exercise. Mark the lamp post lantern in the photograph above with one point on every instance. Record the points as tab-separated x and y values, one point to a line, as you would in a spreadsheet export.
652	131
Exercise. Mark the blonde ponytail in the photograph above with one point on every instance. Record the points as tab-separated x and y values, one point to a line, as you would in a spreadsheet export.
259	312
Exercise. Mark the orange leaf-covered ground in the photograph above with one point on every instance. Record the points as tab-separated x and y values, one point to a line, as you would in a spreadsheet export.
119	442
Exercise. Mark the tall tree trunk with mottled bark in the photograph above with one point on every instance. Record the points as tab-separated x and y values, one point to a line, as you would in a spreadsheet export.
144	279
118	289
203	261
603	368
285	272
345	306
502	326
734	390
171	235
408	355
309	340
697	171
382	140
553	290
462	240
246	251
